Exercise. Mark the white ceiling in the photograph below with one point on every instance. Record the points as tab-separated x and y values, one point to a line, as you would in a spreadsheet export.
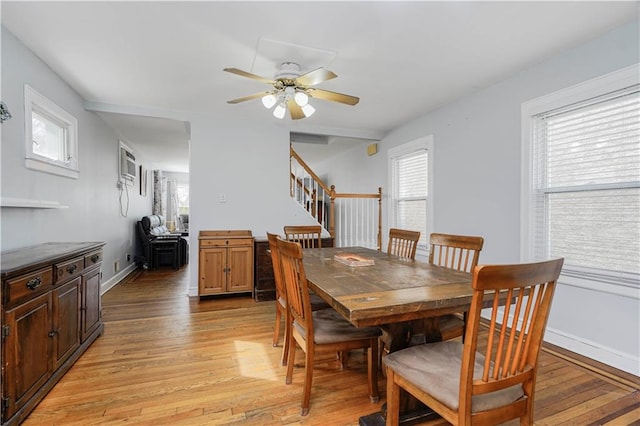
402	59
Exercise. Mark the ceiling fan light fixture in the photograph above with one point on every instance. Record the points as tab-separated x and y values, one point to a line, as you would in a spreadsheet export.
279	111
291	90
269	101
301	98
308	110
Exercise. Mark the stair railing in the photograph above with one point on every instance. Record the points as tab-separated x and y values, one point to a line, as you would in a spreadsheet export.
351	219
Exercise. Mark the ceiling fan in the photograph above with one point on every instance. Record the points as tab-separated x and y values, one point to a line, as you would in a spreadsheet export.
292	90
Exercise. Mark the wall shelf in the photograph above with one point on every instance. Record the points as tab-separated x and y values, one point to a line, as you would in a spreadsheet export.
25	203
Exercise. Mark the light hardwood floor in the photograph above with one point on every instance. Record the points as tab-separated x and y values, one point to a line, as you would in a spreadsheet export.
167	359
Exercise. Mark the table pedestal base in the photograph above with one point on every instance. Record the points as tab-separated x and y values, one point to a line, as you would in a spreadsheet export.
413	417
398	336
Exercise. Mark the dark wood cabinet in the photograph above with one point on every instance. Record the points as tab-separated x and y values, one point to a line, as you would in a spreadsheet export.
66	321
264	284
91	306
26	352
50	316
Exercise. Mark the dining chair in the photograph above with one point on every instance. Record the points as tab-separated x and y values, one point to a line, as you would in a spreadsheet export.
320	331
403	243
317	302
309	236
467	383
460	252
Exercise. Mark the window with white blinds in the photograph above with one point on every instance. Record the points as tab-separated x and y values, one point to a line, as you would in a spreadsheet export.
410	192
585	193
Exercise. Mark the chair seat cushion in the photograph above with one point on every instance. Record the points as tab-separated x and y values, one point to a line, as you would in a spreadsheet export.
330	327
435	369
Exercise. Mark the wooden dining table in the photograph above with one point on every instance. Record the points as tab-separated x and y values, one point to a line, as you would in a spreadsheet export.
404	297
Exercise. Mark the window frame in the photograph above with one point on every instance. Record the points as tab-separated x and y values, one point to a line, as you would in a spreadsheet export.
422	144
34	101
622	284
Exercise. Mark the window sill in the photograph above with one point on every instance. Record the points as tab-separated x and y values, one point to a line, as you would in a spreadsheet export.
54	169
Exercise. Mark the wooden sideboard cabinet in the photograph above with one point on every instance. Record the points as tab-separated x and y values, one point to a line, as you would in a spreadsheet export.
225	262
50	316
264	283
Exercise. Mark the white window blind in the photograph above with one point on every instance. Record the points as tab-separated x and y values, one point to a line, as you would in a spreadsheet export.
586	185
410	193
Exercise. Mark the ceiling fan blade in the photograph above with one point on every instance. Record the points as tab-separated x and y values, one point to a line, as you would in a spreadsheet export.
314	77
332	96
248	98
295	110
249	75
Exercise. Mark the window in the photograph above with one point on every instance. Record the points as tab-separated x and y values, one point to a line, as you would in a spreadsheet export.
50	136
584	179
410	184
183	198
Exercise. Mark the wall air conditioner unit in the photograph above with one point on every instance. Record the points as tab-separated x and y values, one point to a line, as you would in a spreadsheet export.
127	163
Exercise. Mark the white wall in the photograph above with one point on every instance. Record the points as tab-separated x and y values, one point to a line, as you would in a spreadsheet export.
477	186
250	165
93	212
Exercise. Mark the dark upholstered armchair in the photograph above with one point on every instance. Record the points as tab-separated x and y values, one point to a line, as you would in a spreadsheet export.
159	246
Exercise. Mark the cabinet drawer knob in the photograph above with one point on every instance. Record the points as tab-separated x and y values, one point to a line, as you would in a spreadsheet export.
34	283
72	268
95	258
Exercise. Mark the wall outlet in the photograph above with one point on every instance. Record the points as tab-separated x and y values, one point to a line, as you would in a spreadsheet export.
116	266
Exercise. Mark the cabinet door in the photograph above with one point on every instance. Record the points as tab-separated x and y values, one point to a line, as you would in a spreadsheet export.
240	269
213	270
27	351
66	320
91	306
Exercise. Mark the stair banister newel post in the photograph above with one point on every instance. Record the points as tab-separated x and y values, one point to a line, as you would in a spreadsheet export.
332	212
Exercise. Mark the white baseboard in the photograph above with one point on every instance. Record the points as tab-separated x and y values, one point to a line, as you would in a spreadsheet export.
111	282
193	291
620	360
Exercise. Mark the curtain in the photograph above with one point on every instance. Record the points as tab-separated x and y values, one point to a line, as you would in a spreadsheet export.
173	219
159	193
165	199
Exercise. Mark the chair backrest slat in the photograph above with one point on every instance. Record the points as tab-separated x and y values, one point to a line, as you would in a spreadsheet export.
295	283
459	252
277	267
309	236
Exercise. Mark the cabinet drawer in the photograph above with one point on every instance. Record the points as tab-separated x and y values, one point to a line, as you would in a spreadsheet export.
231	242
93	259
68	269
25	286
